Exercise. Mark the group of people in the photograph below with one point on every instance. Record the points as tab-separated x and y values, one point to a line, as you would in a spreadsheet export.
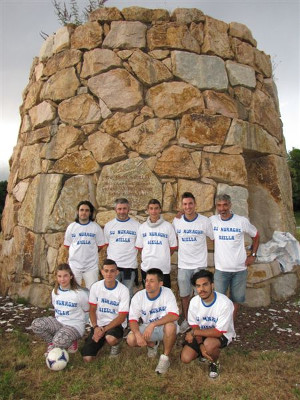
152	313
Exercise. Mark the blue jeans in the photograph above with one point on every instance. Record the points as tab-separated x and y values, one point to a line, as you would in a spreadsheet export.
184	281
127	278
235	281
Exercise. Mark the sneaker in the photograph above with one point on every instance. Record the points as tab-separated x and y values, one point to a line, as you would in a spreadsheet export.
152	351
115	350
49	348
184	327
73	348
202	360
214	370
163	364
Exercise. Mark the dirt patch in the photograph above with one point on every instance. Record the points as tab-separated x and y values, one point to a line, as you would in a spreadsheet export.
264	328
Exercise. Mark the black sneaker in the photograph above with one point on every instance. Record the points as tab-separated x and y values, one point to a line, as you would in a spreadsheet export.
214	370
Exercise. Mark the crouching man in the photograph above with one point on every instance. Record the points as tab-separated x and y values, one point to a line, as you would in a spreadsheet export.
210	315
156	306
109	306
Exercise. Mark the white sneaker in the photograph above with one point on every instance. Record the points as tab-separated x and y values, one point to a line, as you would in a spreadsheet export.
115	350
163	364
152	351
184	326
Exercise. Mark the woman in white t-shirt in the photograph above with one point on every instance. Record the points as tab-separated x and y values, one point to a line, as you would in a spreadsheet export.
70	303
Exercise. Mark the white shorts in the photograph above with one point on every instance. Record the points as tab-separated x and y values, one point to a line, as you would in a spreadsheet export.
90	276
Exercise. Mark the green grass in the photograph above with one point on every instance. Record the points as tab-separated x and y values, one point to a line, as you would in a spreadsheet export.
22	300
244	375
10	386
297	217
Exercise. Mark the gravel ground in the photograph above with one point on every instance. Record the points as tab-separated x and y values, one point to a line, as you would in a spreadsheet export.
276	327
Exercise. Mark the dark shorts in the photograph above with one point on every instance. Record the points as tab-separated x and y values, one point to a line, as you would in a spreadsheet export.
91	347
166	281
196	346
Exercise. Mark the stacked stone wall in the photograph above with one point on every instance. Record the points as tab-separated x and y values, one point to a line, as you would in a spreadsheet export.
142	104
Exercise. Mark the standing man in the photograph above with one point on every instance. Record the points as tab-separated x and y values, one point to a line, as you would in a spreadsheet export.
156	240
84	238
120	236
192	230
231	260
109	306
156	307
211	318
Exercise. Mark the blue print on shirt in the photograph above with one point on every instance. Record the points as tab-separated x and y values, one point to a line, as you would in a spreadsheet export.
230	229
61	312
126	232
65	303
107	310
226	237
110	302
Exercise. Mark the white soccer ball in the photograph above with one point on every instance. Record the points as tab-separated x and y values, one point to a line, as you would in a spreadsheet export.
57	359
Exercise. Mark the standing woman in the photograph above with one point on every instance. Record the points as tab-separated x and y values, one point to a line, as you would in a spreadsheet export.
70	303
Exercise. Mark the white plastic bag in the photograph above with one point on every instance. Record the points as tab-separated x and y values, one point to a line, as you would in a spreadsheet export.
283	247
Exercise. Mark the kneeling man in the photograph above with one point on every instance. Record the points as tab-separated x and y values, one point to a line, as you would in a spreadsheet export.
109	306
156	306
211	317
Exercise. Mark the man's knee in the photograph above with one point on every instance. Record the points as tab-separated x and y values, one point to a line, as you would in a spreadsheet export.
186	355
170	329
131	341
88	358
212	344
184	358
111	340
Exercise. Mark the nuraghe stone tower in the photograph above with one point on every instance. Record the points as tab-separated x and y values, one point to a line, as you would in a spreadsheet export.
139	103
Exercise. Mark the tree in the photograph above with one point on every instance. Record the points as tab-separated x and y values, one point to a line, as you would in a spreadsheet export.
71	14
3	193
294	165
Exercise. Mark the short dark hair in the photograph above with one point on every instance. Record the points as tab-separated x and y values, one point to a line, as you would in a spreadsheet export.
203	273
108	261
90	206
121	200
188	195
154	201
157	272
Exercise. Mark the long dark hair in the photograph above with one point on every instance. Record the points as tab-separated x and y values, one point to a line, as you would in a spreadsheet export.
73	283
90	206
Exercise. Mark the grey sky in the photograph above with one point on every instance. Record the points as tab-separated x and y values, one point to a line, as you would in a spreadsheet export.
274	24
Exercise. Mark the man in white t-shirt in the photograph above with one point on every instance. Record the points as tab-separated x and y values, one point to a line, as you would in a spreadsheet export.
120	236
109	307
191	230
84	238
231	260
211	317
157	308
157	241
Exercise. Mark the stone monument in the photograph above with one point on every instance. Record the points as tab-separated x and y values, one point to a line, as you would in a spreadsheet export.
139	103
